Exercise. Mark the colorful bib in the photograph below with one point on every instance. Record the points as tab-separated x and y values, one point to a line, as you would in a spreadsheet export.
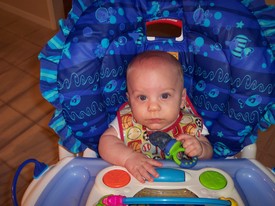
135	135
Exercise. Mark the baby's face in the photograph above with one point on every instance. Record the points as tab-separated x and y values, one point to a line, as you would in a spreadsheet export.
155	93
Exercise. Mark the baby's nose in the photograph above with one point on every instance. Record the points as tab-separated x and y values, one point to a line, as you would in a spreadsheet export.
153	106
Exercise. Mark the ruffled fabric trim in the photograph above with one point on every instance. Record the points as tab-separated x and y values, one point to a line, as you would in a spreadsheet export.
50	57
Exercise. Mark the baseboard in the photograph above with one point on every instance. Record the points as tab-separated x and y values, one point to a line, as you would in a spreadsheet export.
29	16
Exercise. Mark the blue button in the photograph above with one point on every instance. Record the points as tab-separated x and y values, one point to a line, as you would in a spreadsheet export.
170	175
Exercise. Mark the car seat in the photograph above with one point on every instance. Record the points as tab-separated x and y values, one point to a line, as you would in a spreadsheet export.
226	49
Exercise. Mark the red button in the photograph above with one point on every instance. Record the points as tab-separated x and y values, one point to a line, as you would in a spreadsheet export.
116	178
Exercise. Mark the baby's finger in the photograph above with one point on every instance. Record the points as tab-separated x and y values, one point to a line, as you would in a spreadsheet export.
191	153
183	137
155	163
187	145
145	174
152	171
138	175
193	150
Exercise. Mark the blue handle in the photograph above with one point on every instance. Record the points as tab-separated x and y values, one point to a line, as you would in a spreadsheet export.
39	169
174	200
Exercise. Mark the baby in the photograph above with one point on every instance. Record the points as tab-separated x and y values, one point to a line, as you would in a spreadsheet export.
156	99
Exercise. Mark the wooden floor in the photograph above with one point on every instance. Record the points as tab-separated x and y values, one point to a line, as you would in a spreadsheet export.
25	114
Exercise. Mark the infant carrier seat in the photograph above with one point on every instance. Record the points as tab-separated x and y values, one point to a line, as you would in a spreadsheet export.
226	49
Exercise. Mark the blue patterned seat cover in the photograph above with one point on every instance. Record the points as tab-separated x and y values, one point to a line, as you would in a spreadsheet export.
227	54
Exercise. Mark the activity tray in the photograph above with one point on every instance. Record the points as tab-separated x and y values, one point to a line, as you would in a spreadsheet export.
85	181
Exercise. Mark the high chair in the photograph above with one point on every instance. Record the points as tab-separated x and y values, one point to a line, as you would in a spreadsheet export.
226	49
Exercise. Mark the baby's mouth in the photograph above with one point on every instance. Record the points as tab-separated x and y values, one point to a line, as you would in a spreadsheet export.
155	120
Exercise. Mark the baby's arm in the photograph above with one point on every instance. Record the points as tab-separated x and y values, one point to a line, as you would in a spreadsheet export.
113	150
199	147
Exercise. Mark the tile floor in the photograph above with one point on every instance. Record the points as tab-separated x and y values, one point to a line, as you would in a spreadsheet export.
25	114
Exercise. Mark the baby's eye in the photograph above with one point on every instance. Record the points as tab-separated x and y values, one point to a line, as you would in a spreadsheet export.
142	97
165	96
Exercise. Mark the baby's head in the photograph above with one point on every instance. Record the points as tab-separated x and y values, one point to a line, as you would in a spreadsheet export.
155	89
154	58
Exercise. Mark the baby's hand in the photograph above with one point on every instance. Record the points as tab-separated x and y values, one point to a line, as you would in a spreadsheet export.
191	144
142	167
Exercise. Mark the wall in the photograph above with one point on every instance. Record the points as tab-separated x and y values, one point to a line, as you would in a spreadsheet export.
43	12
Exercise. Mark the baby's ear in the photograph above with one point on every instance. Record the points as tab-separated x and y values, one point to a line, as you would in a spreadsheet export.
183	98
128	99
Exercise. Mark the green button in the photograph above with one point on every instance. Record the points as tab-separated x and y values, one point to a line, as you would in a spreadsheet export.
213	180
